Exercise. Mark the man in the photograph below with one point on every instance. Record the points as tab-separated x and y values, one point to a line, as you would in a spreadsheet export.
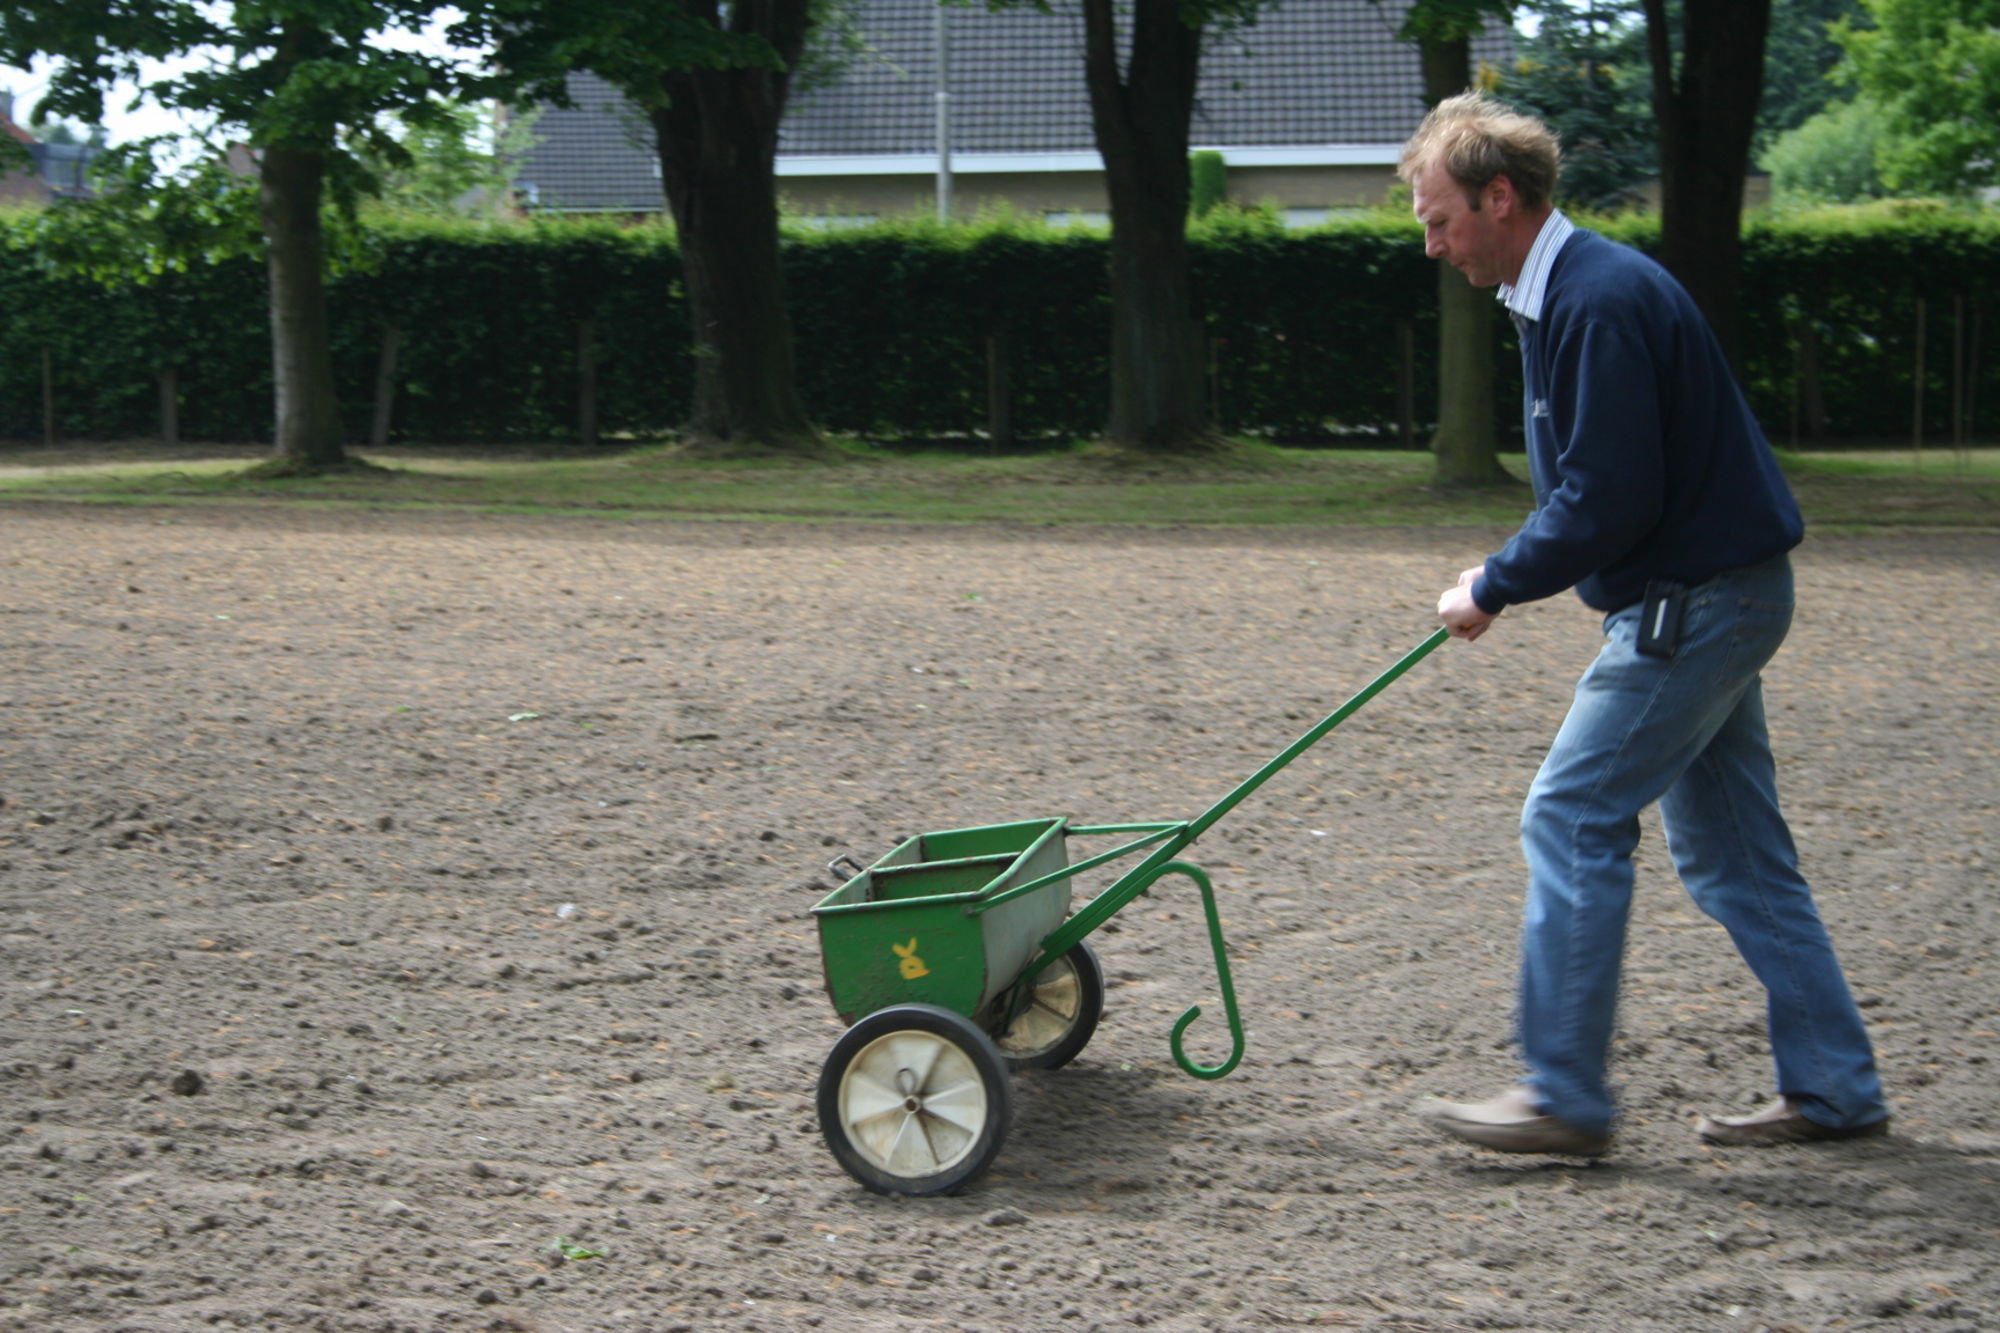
1658	500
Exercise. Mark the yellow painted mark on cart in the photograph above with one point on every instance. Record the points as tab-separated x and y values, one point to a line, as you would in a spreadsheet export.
913	966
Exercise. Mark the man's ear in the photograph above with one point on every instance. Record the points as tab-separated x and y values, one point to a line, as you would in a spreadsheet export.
1500	197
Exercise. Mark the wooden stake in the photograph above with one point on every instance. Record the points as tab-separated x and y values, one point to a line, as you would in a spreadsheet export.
1798	358
999	393
168	379
48	399
1917	395
385	385
1406	383
1972	372
586	382
1958	376
1811	387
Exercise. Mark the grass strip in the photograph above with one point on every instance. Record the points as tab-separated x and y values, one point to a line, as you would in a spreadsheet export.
1254	485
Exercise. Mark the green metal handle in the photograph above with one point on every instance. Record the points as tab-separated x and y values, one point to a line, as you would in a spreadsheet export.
1169	841
1200	824
1222	979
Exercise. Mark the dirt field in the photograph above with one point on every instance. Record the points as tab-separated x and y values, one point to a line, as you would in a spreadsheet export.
390	904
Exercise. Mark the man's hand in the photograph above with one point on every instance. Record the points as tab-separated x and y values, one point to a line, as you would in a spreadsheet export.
1460	614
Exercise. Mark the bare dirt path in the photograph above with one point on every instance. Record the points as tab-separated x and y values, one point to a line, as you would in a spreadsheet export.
390	902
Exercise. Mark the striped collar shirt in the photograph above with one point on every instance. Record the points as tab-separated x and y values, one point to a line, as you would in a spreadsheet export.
1524	297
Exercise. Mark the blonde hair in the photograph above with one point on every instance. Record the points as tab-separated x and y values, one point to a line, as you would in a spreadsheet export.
1478	139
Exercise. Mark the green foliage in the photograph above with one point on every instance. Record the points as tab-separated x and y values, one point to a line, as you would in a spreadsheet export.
1208	182
147	222
108	327
895	323
1799	54
463	163
489	317
1585	72
1830	158
1933	66
310	84
308	74
1855	275
64	132
539	42
1451	20
837	41
1303	325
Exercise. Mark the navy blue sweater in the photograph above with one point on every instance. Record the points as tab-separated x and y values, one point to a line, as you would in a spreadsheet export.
1645	459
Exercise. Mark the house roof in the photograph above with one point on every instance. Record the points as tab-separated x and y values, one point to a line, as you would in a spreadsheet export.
61	170
7	125
1310	81
65	167
593	157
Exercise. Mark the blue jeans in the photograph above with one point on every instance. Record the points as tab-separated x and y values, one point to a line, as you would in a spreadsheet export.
1686	731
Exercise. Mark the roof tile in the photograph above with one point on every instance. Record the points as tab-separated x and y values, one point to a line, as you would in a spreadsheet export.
1307	73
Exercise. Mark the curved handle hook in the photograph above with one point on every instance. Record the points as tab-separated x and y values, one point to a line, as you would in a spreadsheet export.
1223	982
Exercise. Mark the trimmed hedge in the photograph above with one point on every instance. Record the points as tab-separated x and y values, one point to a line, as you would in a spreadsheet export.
895	324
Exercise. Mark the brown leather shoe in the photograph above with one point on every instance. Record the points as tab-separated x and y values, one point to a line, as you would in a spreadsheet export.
1512	1122
1780	1122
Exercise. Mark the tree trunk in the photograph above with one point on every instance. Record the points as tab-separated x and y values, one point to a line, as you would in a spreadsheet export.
1141	123
718	140
308	423
1707	113
1466	448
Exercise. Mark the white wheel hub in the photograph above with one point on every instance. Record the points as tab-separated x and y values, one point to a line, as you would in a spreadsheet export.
1051	1012
912	1103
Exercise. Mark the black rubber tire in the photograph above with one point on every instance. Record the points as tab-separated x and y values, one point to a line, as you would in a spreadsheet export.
915	1099
1062	1014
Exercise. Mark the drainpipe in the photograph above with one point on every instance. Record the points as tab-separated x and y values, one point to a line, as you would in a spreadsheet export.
943	96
